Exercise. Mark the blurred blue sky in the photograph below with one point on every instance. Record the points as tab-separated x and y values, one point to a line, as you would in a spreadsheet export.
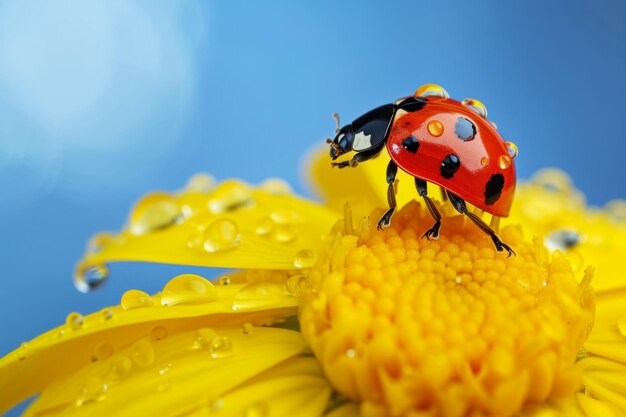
103	101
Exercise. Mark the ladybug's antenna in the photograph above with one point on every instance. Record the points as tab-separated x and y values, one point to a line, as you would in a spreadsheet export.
336	117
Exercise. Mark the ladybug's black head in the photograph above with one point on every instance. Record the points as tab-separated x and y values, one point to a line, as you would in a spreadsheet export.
342	143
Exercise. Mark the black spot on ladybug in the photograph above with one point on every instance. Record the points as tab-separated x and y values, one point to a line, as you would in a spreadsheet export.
411	144
493	189
450	165
465	129
412	104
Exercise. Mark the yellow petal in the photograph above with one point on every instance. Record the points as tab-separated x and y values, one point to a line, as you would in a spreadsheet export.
232	226
364	186
177	376
294	387
608	337
551	208
605	380
177	309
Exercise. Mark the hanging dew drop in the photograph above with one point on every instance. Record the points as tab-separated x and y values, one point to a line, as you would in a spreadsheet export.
102	351
90	277
221	235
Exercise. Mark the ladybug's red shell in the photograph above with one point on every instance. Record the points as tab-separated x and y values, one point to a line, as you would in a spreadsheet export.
461	151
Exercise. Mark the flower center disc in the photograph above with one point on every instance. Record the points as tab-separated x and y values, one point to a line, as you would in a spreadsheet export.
449	327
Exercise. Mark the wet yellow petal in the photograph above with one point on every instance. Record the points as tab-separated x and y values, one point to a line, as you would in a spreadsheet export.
231	226
294	387
172	376
177	309
605	380
608	337
448	327
551	208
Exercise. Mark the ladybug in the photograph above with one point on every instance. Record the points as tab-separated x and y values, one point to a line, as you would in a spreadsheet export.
439	140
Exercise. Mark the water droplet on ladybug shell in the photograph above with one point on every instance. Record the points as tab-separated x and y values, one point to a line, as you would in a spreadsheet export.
476	105
431	90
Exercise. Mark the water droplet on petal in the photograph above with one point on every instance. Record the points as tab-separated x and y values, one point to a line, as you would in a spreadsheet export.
351	353
214	405
94	389
200	183
224	280
188	289
257	409
74	321
120	366
99	241
106	314
305	259
102	351
285	217
512	148
504	161
553	180
136	299
89	277
204	338
247	328
143	353
275	186
255	296
196	239
616	210
222	234
230	195
221	347
23	351
284	233
153	212
165	369
158	333
295	284
562	240
264	227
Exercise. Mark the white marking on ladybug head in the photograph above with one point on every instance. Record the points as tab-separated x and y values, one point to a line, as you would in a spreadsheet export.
361	141
395	148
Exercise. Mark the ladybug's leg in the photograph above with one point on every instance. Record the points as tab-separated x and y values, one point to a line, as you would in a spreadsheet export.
422	190
392	170
444	194
359	157
461	207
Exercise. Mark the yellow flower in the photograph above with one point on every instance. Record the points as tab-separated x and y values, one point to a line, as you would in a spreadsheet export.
327	316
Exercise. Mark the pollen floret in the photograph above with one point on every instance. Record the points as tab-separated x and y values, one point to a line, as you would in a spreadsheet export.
450	327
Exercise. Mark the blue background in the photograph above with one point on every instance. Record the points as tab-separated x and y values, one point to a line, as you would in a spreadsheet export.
103	102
